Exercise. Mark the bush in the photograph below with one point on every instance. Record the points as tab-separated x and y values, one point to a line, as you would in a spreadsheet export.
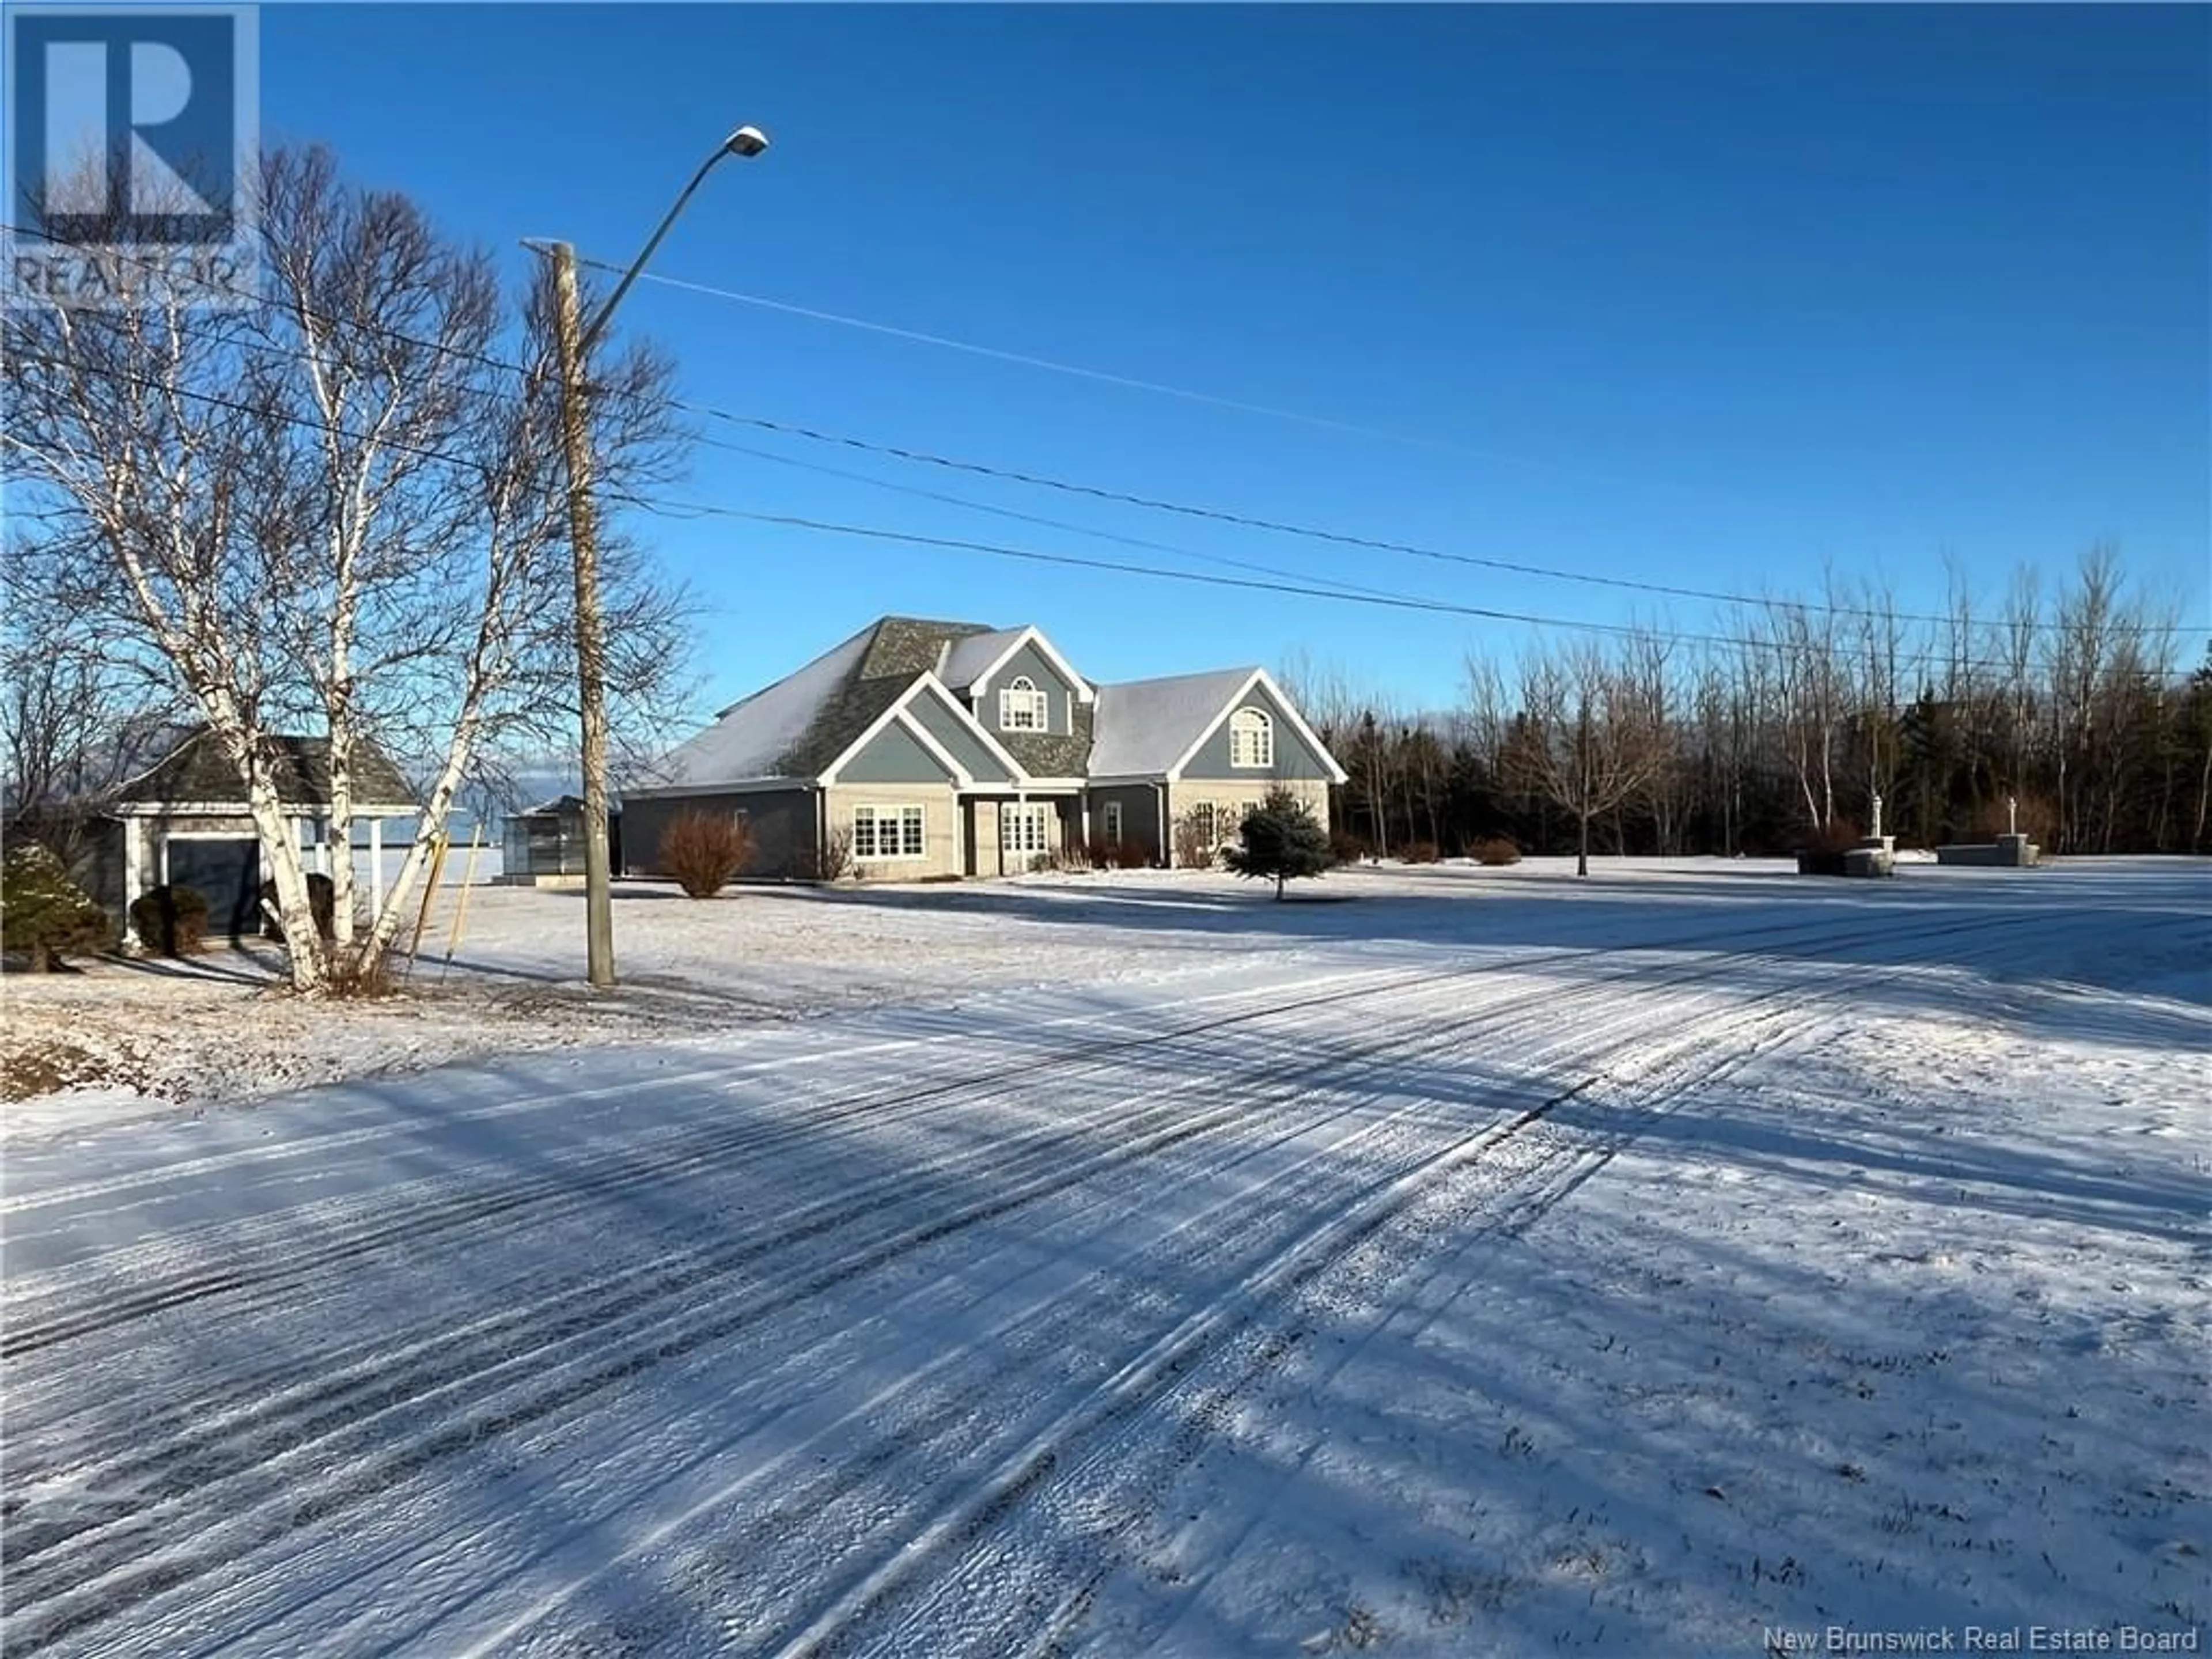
1837	836
1821	851
1193	851
322	904
1495	850
1344	848
1117	853
1282	839
171	922
703	850
349	979
45	914
1419	851
832	860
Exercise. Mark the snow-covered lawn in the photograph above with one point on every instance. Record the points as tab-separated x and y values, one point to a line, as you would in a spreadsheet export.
1685	1261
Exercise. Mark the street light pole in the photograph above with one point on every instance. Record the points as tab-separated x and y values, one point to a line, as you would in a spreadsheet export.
573	340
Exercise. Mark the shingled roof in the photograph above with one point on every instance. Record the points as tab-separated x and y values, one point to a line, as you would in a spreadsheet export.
798	727
198	770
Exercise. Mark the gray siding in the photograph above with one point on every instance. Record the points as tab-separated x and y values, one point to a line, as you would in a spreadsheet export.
781	820
1295	760
893	757
1059	694
959	739
1140	814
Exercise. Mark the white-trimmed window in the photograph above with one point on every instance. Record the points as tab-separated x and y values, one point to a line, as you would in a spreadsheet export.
1251	739
888	832
1110	817
1025	827
1228	824
1022	707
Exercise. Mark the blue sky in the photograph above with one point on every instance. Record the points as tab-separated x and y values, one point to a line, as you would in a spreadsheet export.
1709	295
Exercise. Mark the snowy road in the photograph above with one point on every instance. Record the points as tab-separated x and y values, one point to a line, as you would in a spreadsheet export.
1073	1321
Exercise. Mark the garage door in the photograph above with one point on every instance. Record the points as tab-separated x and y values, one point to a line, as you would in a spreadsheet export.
227	874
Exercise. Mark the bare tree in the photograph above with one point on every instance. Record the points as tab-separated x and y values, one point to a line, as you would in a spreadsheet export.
79	713
340	507
1589	736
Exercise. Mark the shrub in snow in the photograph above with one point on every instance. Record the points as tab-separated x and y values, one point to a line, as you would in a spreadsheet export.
1193	842
1344	848
1420	852
46	915
703	850
1282	839
1495	849
1115	854
832	860
322	904
171	922
1821	851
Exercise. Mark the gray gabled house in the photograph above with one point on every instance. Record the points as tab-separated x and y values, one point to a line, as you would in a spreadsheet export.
954	748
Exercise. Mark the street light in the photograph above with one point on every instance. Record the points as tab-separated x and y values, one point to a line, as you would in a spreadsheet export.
746	142
573	340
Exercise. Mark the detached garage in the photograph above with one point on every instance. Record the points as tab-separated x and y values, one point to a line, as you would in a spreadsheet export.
186	823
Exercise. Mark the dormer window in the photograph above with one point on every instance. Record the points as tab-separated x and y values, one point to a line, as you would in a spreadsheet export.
1022	707
1251	740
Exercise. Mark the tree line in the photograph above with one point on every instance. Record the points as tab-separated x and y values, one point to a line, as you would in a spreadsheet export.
2071	709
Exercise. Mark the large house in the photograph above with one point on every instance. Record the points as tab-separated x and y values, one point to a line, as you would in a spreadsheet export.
954	748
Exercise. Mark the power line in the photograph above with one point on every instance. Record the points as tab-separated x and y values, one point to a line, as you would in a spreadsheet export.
1152	503
697	509
1102	376
1926	657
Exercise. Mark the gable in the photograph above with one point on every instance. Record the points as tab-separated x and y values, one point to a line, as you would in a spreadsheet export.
798	726
1297	760
1145	726
957	738
1028	663
894	754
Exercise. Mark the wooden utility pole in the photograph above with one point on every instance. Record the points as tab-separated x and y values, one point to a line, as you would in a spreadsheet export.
591	627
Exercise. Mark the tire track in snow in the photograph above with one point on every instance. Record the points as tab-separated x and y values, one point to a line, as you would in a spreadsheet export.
606	1172
793	1514
1048	1463
105	1549
395	1231
1093	1440
956	1410
1570	1164
1169	1133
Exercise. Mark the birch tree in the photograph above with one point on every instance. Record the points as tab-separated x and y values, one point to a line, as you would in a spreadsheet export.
338	509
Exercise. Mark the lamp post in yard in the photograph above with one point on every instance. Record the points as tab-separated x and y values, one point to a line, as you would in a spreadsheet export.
573	340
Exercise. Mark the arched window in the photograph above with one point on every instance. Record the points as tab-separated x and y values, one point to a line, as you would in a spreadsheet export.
1251	739
1022	707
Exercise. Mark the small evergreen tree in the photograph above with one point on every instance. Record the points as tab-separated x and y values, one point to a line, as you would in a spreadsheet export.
44	913
1282	839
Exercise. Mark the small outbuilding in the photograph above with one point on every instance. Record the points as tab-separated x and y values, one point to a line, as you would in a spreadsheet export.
544	845
185	821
